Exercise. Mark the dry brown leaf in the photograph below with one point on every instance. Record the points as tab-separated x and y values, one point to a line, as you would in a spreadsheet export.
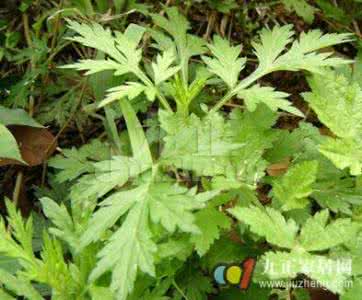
326	131
279	168
35	144
321	294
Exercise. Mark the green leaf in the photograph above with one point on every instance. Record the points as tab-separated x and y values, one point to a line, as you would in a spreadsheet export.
9	264
302	294
301	55
291	144
168	204
146	289
54	271
140	148
160	202
254	292
119	5
283	265
224	6
112	173
290	194
179	248
61	218
255	137
268	223
108	175
140	209
227	251
93	66
22	250
338	194
162	68
334	12
129	91
130	248
176	25
226	62
272	43
116	171
6	296
354	247
20	286
338	105
357	68
191	143
9	148
194	284
273	56
187	45
95	36
122	47
273	99
344	153
21	230
103	80
112	209
51	269
210	221
185	94
354	292
125	56
74	162
99	292
316	235
171	206
302	9
16	117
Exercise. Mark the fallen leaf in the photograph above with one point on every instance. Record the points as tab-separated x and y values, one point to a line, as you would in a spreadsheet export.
326	131
35	144
321	294
278	168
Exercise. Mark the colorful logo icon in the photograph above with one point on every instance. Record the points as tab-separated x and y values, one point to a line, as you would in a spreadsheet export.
236	274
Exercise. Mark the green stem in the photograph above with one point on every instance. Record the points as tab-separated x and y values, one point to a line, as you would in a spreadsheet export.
257	74
179	290
182	108
56	51
112	128
18	185
27	30
164	101
242	85
149	83
224	99
143	77
185	70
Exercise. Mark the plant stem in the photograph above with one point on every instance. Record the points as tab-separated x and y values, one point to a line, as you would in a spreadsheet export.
149	83
224	99
27	30
56	29
55	139
185	70
179	290
164	101
258	73
289	297
17	189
